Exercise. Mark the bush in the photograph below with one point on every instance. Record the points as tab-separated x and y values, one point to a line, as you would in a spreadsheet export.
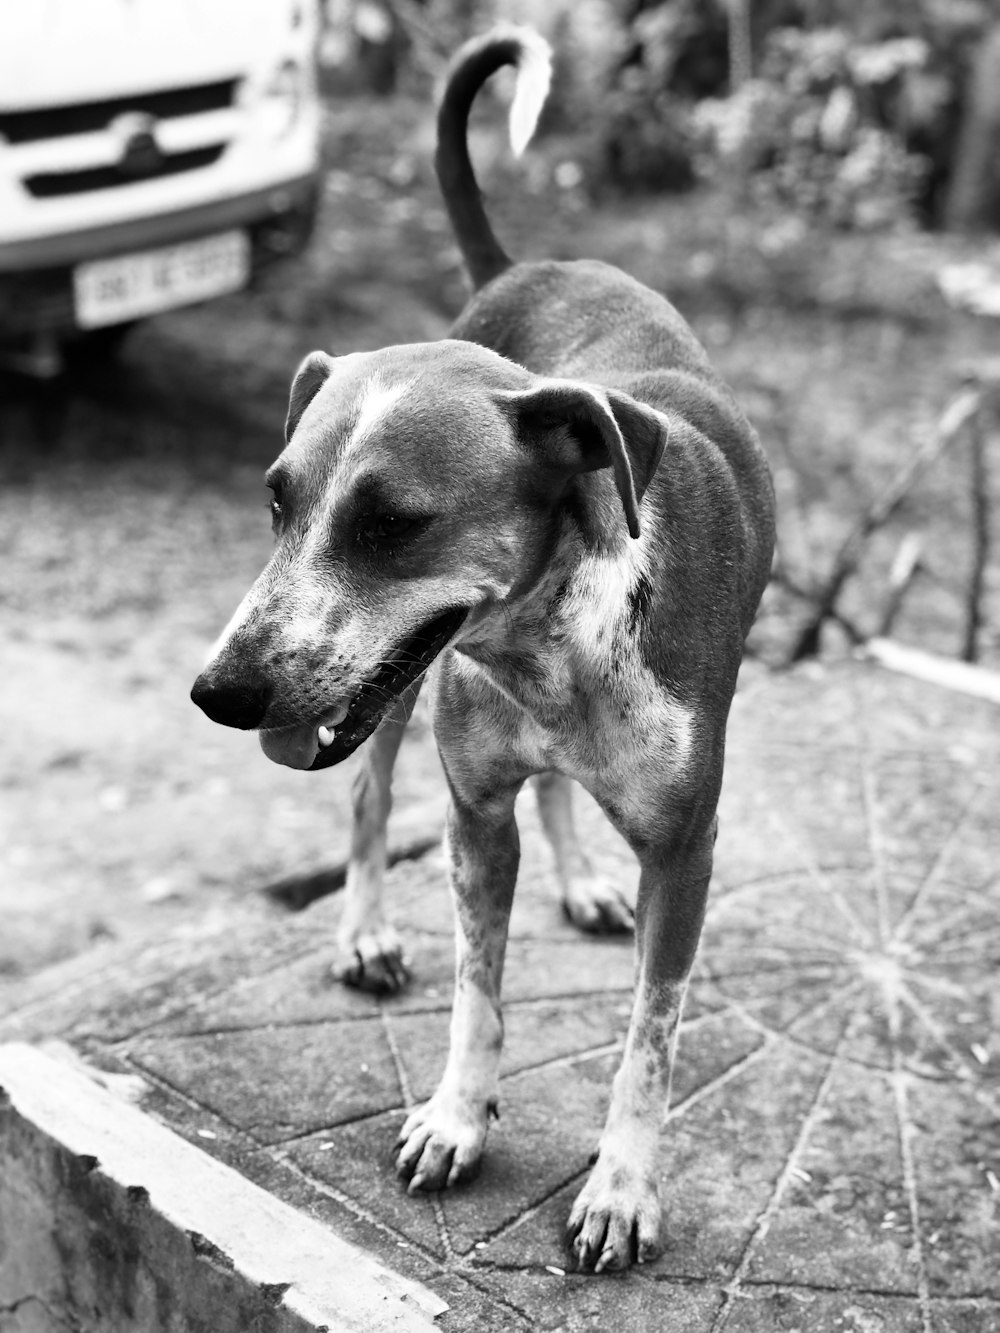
670	55
810	132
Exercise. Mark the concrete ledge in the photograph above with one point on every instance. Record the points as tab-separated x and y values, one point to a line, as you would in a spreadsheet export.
110	1221
948	672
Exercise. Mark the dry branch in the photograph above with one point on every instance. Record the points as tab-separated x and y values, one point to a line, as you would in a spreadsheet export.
904	570
980	500
959	412
944	671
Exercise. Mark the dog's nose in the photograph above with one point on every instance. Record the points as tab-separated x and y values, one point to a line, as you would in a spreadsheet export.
233	701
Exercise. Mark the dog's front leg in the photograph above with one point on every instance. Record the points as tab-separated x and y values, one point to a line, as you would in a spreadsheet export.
616	1218
442	1141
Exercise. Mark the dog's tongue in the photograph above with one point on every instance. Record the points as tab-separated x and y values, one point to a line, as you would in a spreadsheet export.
295	746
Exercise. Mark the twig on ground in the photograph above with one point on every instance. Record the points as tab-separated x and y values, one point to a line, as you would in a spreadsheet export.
959	412
979	489
944	671
904	570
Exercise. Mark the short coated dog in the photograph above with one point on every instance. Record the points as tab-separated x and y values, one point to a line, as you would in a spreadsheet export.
564	509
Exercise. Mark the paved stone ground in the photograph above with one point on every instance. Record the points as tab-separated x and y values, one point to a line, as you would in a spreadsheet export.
832	1154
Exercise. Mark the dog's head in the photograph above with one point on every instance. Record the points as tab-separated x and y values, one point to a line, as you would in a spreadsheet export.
417	492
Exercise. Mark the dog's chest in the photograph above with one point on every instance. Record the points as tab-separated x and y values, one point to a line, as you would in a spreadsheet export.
566	685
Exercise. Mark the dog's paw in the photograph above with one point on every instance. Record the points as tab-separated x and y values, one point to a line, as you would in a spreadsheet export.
442	1143
373	962
598	906
615	1221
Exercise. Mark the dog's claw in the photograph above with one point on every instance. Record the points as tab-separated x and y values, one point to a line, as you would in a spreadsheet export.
615	1222
440	1145
374	963
648	1250
610	1247
599	907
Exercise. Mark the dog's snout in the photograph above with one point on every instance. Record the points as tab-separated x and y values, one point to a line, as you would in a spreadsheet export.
234	701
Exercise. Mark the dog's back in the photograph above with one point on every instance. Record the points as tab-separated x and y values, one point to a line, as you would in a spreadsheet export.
587	320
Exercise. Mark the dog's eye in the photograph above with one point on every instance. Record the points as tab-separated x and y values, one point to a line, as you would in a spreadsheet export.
388	527
277	509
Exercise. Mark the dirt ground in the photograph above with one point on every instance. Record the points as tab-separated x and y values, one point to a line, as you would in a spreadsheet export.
132	517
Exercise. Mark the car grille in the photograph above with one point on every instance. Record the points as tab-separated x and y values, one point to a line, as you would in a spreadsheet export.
49	184
60	122
46	149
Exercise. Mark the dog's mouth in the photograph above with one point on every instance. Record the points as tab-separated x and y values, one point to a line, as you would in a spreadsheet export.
338	734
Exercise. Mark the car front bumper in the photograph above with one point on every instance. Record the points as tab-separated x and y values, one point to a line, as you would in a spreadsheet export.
36	276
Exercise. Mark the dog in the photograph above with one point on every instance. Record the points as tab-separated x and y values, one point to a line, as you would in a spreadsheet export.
369	952
563	508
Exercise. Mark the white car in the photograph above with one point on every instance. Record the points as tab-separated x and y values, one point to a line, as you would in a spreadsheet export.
153	153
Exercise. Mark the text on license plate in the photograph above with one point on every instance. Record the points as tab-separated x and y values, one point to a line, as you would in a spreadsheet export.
124	287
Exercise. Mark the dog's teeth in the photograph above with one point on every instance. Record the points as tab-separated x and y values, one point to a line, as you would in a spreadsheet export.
325	735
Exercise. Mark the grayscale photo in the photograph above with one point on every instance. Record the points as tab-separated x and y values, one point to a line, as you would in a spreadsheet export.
500	586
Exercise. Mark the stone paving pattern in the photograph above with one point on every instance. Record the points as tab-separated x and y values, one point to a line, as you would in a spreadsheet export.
831	1160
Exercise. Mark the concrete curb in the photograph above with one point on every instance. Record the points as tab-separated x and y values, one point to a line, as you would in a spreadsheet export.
948	672
109	1221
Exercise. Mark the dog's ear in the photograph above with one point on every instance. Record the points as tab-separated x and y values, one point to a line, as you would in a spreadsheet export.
600	428
309	379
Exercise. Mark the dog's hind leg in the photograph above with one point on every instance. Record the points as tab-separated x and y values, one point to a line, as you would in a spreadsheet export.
616	1218
592	902
369	950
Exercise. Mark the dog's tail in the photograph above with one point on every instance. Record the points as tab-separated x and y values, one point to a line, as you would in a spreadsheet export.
471	67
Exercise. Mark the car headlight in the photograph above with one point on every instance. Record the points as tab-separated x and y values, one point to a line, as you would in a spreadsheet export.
280	100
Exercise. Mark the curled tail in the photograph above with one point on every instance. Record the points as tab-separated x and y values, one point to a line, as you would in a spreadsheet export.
471	67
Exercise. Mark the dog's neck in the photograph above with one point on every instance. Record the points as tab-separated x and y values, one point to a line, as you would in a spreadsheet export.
544	647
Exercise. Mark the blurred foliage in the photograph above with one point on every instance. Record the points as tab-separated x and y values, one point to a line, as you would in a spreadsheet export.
674	55
851	116
810	133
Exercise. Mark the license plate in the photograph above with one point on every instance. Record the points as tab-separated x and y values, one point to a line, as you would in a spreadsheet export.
110	291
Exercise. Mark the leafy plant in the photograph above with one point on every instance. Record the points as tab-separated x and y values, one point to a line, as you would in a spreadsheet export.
811	132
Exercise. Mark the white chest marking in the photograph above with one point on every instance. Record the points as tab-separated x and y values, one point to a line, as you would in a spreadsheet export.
591	706
597	603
